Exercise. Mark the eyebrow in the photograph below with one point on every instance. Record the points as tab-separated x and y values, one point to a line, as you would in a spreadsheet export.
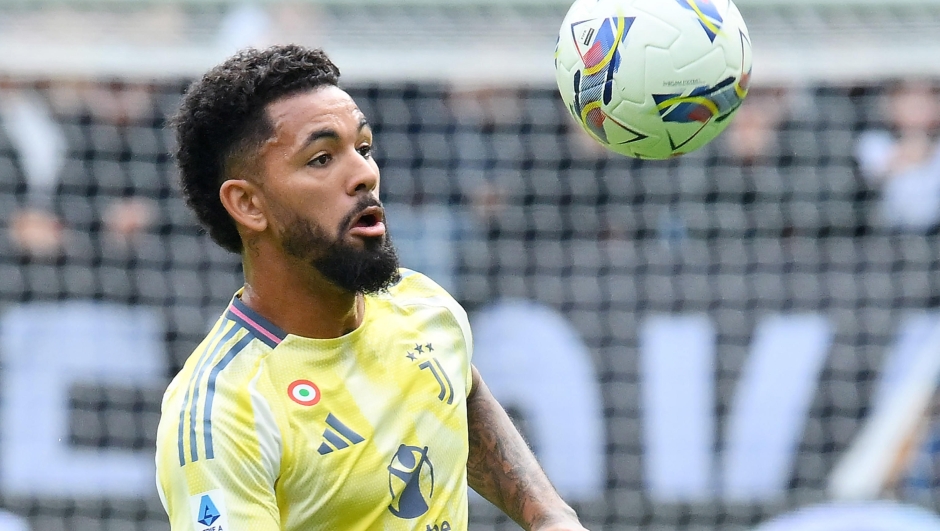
331	133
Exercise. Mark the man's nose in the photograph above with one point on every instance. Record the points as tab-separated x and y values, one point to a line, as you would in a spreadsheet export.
364	175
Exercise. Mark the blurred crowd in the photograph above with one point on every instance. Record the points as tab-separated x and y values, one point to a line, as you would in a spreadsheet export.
45	125
498	195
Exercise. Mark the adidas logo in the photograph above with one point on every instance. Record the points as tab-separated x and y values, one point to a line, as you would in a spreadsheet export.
338	436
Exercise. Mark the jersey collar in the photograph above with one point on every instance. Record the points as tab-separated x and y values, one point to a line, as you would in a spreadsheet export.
252	321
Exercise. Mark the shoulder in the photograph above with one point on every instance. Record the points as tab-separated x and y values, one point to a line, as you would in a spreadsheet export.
221	370
416	291
218	405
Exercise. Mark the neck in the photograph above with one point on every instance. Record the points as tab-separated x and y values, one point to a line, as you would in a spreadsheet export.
297	299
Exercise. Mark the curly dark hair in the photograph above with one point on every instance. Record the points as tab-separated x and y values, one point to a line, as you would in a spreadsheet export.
222	119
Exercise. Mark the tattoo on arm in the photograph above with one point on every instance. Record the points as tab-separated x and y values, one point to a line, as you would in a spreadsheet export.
503	469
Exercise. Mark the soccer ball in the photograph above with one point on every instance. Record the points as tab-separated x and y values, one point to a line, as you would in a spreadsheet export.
653	79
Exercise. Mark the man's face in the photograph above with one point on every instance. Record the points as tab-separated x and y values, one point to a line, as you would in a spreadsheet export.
321	189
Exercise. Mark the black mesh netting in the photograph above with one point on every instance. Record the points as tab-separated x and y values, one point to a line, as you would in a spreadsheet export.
530	210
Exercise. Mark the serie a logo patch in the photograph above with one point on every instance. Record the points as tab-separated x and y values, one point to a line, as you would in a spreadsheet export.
208	510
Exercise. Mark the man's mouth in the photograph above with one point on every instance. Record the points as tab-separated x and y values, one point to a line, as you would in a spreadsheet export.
370	223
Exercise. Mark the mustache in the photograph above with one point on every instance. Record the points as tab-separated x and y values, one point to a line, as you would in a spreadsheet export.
364	202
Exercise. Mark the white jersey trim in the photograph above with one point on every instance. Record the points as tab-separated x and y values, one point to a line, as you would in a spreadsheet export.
269	435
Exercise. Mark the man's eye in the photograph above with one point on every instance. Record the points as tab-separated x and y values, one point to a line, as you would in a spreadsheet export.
321	160
366	151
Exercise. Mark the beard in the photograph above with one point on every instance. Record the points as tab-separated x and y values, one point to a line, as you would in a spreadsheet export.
368	270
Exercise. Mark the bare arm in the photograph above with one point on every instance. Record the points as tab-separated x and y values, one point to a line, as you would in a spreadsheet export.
502	468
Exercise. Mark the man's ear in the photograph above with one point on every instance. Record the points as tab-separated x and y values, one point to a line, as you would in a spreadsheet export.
243	202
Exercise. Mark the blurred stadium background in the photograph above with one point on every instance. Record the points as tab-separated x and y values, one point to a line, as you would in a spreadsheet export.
707	343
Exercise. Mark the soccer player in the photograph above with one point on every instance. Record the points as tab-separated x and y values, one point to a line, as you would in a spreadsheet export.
336	391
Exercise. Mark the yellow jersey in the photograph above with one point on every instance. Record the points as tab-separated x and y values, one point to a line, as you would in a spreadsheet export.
263	430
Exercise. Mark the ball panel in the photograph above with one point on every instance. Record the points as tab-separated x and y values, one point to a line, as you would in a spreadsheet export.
662	76
653	78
